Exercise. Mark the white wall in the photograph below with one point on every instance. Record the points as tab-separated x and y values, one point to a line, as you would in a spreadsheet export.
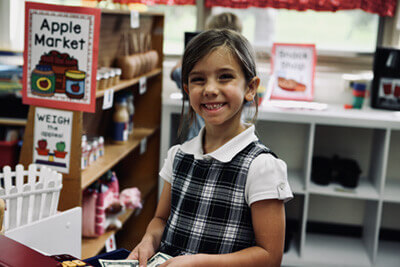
12	25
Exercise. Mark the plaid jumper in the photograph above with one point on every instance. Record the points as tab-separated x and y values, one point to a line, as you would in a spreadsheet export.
209	213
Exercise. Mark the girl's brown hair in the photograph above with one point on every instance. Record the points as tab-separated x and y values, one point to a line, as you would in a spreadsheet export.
210	40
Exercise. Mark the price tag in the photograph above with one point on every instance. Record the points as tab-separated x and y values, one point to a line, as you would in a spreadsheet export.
142	85
108	99
143	146
134	19
110	243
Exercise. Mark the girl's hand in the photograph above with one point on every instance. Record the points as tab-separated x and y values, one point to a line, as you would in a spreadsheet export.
183	261
143	251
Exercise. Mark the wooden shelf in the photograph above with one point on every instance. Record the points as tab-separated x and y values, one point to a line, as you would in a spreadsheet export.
123	84
12	121
113	153
92	246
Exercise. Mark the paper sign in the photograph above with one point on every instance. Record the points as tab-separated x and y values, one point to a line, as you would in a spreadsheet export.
293	70
60	56
142	85
135	22
143	146
108	99
52	138
110	244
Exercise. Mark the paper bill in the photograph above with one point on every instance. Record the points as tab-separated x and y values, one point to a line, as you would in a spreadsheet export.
158	259
154	261
119	263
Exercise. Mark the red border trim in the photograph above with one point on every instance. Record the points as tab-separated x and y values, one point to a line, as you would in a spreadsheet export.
96	12
273	52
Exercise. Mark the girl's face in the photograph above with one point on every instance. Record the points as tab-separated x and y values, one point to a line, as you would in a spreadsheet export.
217	88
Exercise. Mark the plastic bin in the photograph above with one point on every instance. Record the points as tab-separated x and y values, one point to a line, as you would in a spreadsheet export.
8	153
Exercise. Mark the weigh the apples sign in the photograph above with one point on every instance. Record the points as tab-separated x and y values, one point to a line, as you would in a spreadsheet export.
52	138
61	47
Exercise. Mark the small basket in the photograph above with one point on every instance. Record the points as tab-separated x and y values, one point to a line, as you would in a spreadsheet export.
30	195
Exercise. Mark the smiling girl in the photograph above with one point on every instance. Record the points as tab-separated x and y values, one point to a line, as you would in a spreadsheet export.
223	198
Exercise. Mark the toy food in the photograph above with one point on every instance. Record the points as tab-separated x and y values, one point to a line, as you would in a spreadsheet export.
290	85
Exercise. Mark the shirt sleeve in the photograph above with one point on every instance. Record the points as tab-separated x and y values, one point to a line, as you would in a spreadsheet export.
267	179
166	170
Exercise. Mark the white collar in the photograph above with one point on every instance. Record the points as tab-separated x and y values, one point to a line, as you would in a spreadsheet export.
226	152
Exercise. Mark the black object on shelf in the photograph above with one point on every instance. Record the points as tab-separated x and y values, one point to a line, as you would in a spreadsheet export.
341	170
321	170
385	92
11	106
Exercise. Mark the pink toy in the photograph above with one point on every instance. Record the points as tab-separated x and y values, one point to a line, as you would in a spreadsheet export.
131	198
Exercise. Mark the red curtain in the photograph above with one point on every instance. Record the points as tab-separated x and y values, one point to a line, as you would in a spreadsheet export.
381	7
164	2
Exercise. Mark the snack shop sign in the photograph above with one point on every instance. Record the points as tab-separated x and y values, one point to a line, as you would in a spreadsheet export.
61	47
293	70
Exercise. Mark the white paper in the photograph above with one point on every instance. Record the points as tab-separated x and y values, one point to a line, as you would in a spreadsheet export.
52	138
143	146
108	99
110	243
135	22
142	85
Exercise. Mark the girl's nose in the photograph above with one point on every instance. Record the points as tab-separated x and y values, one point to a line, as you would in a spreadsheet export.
210	89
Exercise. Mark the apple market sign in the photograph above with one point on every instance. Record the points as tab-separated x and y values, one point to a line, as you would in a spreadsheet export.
60	55
52	138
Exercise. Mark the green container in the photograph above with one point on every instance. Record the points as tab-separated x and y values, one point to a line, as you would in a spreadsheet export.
358	101
43	81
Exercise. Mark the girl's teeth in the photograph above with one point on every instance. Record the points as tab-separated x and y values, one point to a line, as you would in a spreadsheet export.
213	106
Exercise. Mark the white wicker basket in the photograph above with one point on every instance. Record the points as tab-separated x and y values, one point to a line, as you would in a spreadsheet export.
30	195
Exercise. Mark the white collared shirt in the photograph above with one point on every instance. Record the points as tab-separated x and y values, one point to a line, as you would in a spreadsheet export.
267	176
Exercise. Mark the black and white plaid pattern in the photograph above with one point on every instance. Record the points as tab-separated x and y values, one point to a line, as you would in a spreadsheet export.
209	213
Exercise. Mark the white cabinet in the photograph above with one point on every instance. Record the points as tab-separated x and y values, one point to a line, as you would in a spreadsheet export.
372	138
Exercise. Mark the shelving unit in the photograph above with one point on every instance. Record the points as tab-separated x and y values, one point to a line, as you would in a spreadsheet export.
372	138
136	161
12	122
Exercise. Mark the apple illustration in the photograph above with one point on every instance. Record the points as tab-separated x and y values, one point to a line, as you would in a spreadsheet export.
44	83
60	146
42	144
75	87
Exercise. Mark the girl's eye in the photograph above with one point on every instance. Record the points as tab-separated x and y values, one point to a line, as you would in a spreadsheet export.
196	79
226	76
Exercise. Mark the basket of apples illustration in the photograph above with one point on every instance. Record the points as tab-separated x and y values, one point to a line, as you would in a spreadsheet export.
42	148
60	153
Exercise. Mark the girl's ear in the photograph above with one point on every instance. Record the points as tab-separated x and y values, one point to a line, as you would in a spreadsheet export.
185	87
252	89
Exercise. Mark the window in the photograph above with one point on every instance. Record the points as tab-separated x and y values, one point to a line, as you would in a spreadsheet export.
178	19
352	31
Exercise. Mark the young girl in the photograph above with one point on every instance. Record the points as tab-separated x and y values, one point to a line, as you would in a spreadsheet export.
222	201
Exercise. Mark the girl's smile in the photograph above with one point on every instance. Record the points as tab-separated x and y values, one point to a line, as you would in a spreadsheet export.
211	107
